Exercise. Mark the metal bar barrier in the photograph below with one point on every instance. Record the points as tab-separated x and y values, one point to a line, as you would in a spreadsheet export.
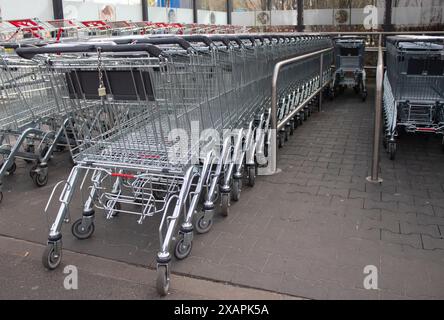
378	115
271	168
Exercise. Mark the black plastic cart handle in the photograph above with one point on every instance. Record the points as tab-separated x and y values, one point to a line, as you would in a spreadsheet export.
29	53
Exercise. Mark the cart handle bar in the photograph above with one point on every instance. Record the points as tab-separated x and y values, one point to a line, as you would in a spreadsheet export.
29	53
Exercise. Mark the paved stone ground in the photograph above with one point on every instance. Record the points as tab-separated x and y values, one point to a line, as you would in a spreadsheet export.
22	277
308	231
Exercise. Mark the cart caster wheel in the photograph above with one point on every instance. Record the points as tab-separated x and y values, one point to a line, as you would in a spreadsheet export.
281	140
392	150
225	204
12	169
236	189
39	179
51	257
181	250
203	226
163	280
384	143
287	133
81	232
364	96
292	127
251	172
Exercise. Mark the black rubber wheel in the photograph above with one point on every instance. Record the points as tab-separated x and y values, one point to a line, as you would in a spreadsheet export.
364	96
287	132
225	204
162	280
39	179
181	251
251	173
80	232
292	127
201	226
281	140
50	258
236	189
392	150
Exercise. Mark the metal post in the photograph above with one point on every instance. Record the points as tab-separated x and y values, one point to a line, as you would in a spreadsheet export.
300	8
195	11
321	80
378	117
272	153
144	10
57	8
229	11
388	26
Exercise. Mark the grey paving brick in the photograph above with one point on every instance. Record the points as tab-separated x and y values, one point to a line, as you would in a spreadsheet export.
288	265
347	203
354	230
329	171
333	192
392	282
254	260
371	204
304	288
262	280
419	209
397	197
375	195
438	211
292	188
389	225
353	294
431	243
242	242
410	228
412	240
330	177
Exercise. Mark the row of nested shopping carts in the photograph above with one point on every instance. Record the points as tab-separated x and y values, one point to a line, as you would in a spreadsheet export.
30	30
165	126
413	88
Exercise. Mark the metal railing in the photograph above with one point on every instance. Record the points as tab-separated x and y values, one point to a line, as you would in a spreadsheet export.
378	114
275	126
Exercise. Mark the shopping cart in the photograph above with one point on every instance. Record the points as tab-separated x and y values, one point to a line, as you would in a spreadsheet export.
31	122
137	105
413	87
349	60
126	137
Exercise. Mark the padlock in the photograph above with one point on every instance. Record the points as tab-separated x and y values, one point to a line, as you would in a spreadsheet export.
102	91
